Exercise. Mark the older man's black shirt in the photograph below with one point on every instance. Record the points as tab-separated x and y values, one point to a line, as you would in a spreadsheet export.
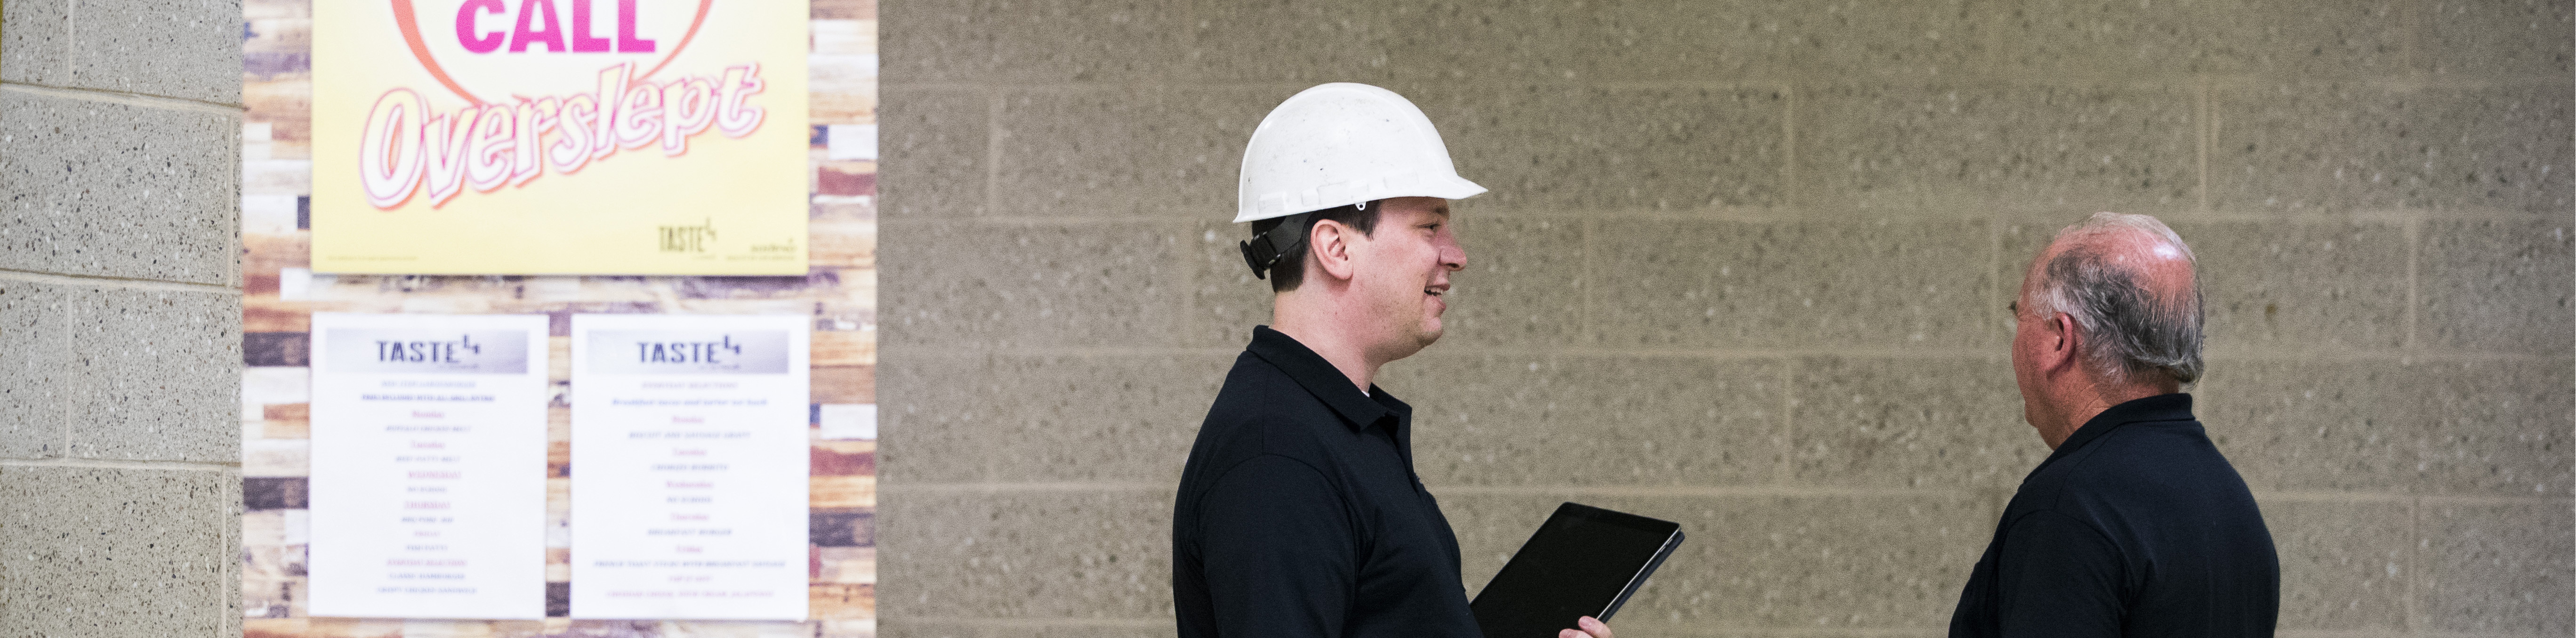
2136	526
1299	513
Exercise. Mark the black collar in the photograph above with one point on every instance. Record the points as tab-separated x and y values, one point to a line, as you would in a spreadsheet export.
1326	382
2162	407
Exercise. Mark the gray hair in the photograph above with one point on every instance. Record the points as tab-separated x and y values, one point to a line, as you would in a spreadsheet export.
2131	329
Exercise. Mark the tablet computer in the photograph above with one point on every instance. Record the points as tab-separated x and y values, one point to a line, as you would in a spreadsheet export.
1584	561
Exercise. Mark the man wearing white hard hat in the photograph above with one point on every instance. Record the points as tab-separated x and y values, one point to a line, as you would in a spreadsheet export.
1299	513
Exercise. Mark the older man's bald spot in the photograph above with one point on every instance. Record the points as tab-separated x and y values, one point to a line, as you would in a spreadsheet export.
2161	266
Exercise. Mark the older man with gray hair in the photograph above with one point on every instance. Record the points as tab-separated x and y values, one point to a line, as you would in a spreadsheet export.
2135	525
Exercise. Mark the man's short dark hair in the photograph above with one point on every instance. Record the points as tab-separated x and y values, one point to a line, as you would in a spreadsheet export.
1291	268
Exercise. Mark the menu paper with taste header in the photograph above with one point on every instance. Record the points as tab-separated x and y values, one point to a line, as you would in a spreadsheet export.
429	466
689	459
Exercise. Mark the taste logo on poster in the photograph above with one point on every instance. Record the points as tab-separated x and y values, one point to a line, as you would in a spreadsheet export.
412	351
549	86
689	352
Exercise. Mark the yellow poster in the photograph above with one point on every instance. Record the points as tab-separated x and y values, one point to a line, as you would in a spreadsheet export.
641	137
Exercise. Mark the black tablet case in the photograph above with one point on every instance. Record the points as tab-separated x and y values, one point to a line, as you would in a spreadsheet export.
1584	561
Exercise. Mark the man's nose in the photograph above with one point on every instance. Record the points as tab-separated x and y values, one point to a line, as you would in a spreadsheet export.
1452	255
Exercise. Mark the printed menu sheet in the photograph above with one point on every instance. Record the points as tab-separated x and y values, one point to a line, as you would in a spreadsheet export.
689	455
429	466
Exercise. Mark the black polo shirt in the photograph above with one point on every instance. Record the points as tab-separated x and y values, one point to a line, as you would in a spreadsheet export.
1299	513
2136	526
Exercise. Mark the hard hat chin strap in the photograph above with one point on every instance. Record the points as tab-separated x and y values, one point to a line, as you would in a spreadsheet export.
1263	251
1267	247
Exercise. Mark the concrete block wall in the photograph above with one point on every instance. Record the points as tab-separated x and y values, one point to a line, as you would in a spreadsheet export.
120	318
1744	266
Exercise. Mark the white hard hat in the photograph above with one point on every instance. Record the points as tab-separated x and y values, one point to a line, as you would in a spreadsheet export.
1341	144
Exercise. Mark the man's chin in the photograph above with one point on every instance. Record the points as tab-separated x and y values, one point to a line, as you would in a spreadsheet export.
1406	343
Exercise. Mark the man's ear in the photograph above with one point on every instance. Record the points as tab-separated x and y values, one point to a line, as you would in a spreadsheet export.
2058	340
1330	242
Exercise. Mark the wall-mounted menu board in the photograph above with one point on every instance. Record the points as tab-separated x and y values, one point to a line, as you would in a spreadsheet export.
834	296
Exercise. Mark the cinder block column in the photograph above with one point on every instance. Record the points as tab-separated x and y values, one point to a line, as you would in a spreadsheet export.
120	318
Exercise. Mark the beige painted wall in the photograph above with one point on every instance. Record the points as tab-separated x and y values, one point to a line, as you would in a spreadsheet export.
1744	266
